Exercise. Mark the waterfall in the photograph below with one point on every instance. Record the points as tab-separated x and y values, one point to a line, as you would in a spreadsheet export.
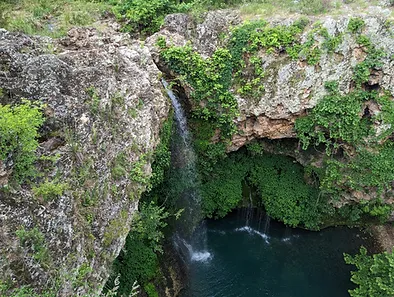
249	214
190	237
267	223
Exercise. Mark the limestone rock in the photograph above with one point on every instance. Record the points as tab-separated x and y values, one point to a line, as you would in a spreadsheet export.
103	100
291	87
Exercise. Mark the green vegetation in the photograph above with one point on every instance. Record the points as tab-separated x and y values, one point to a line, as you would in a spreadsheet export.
49	190
95	100
211	79
374	275
137	173
116	229
26	291
145	17
360	156
356	25
55	17
138	260
280	183
18	137
34	240
162	154
237	66
49	17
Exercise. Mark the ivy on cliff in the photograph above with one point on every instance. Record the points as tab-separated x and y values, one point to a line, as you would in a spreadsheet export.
235	68
355	129
210	80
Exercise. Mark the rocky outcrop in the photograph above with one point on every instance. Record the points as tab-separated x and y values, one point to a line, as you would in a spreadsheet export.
291	87
104	109
206	35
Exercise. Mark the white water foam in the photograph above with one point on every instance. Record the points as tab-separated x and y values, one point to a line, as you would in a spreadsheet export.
198	256
201	256
250	230
194	255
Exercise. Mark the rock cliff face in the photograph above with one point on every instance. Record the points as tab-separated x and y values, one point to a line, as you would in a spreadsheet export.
291	86
104	109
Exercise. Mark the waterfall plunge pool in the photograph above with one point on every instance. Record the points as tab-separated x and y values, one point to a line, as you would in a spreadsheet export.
248	255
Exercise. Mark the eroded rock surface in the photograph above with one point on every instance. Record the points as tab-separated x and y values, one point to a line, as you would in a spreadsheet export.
292	87
104	110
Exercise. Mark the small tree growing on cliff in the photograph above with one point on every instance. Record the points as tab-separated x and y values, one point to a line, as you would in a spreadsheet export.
18	136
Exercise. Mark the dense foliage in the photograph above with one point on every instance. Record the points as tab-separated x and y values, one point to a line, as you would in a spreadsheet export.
211	79
147	16
162	154
280	183
374	275
138	260
18	137
343	124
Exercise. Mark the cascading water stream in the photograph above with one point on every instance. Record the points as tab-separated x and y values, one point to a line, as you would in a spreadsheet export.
190	238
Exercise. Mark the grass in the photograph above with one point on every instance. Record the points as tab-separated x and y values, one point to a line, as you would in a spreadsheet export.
49	17
55	17
282	8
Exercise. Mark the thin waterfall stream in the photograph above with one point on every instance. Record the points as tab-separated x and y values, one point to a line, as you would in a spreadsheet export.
190	237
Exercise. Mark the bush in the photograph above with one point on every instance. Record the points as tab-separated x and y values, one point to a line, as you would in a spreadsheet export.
49	190
280	184
33	239
18	137
356	25
374	275
151	290
138	260
145	16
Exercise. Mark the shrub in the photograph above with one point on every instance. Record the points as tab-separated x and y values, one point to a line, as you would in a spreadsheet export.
18	136
34	240
145	16
279	181
138	260
151	290
315	6
356	25
49	190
